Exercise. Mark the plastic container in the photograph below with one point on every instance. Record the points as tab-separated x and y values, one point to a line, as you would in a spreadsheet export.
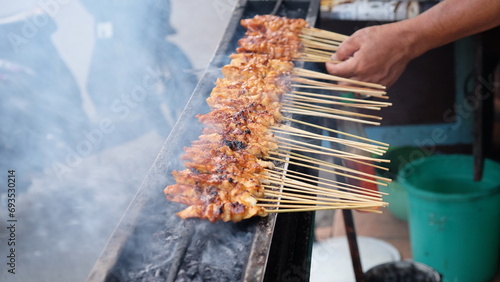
397	196
454	221
402	271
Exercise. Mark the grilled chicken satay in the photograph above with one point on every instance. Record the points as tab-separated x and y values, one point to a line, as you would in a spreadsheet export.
248	65
224	186
226	166
269	24
226	212
232	93
251	80
214	204
250	131
218	176
275	36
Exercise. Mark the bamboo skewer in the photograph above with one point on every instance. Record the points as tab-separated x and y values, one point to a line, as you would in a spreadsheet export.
334	167
320	45
372	148
329	171
317	46
302	195
313	107
331	200
317	52
330	40
293	142
327	98
310	204
304	187
281	209
340	156
316	114
336	131
324	181
301	98
335	87
305	203
320	33
316	202
315	59
311	40
309	83
337	154
316	207
358	193
300	192
319	75
376	149
313	50
297	195
332	195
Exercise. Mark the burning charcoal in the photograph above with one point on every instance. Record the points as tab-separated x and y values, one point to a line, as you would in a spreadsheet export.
182	276
192	268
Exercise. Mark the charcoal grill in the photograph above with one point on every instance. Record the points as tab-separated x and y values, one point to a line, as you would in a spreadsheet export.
152	244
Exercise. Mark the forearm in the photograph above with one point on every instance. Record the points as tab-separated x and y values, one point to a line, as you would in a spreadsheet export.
448	21
379	54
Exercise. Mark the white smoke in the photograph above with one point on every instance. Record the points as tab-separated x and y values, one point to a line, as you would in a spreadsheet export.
87	116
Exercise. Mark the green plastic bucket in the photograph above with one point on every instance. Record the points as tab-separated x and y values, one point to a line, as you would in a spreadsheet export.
396	195
454	222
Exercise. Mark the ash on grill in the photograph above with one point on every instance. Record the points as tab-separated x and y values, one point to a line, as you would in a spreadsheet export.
221	257
196	251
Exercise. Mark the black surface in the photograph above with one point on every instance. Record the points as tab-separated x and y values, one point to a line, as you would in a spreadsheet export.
290	254
291	248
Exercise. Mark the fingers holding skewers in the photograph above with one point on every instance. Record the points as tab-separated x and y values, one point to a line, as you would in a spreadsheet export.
374	54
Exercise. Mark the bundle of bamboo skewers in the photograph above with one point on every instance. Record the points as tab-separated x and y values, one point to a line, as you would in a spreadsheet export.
319	45
300	192
262	86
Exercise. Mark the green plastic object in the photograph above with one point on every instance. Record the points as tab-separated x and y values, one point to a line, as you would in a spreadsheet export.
454	221
396	195
397	198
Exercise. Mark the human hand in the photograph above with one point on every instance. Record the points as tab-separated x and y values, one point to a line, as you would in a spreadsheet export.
377	54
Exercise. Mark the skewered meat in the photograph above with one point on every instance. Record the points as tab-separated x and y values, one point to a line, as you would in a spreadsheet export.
226	166
272	35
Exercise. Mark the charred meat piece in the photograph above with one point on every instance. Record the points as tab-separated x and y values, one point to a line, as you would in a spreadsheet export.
226	166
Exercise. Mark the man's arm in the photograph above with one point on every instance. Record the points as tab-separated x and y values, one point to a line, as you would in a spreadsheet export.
380	54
